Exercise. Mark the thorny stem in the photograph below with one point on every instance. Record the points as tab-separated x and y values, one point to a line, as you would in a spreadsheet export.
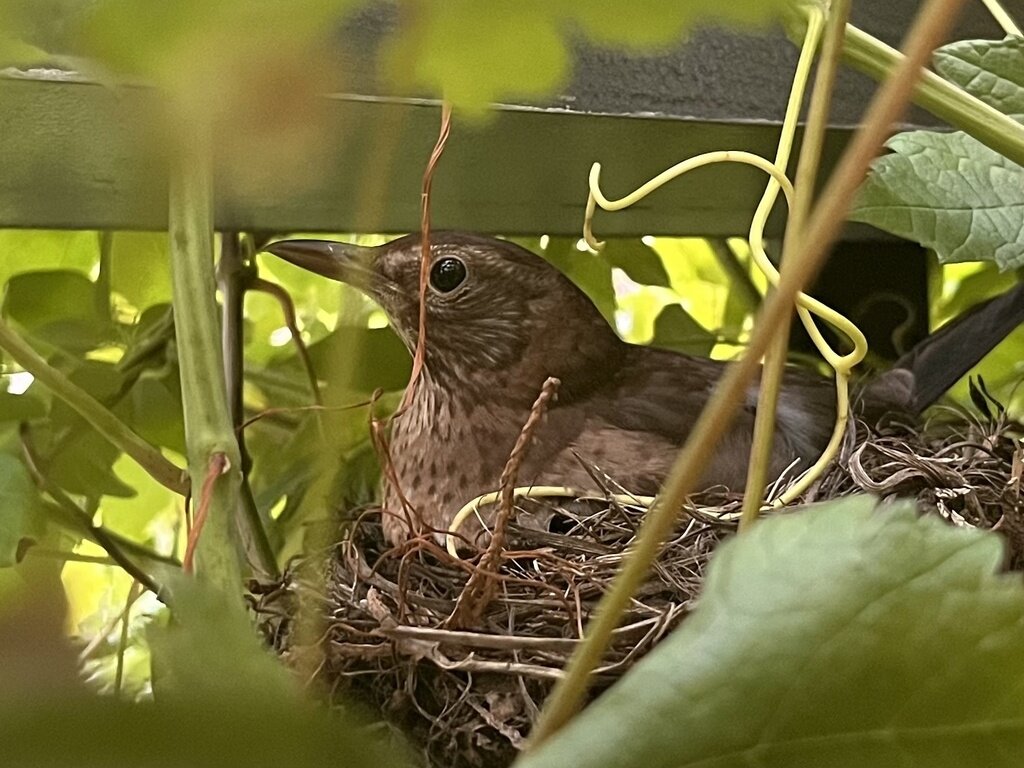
208	429
806	176
234	275
106	423
933	21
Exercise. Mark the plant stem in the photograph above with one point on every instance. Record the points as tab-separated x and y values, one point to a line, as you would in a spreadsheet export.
806	177
933	21
939	96
89	408
1002	17
234	275
208	431
81	521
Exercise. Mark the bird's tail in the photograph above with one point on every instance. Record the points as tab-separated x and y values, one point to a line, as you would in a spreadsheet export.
935	364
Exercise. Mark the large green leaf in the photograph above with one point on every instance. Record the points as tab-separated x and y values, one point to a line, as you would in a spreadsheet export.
842	636
20	513
950	193
992	70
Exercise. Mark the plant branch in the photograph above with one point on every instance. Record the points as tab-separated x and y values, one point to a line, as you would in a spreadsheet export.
942	98
113	545
235	274
933	21
288	311
106	423
208	430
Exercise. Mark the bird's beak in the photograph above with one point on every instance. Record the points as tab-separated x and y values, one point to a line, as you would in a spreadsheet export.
352	264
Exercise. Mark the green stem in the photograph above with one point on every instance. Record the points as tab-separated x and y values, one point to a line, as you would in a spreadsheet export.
89	408
208	429
939	96
806	177
932	23
235	272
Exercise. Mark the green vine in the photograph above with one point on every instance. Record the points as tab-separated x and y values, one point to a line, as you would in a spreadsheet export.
208	431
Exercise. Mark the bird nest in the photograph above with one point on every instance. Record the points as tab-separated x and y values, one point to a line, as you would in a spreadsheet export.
386	626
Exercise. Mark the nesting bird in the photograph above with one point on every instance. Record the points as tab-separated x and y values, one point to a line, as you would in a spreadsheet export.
500	320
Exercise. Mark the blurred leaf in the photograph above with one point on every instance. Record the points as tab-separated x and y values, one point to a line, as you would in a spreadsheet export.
21	516
38	250
140	268
21	407
653	23
234	703
175	42
988	69
841	636
59	307
474	53
637	260
950	193
234	668
675	329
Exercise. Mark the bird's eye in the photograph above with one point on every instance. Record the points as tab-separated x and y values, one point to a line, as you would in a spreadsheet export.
447	274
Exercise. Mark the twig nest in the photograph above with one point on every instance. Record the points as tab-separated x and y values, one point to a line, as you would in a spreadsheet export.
382	625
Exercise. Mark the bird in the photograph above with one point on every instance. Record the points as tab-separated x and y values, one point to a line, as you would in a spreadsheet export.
500	320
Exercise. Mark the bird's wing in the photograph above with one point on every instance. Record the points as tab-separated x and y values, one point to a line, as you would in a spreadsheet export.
663	393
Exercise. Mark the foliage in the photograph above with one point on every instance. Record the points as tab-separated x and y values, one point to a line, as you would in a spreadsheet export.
222	697
948	191
773	667
845	635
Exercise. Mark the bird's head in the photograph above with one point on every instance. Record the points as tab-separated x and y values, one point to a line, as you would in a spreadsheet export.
491	305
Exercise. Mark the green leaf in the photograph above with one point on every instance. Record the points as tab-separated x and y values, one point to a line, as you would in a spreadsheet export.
60	307
36	250
21	516
140	268
991	70
80	460
842	636
21	407
675	329
950	193
640	262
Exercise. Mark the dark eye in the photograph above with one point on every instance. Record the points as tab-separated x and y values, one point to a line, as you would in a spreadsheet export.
447	274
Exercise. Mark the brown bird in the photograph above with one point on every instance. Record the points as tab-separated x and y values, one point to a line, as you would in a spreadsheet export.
500	320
